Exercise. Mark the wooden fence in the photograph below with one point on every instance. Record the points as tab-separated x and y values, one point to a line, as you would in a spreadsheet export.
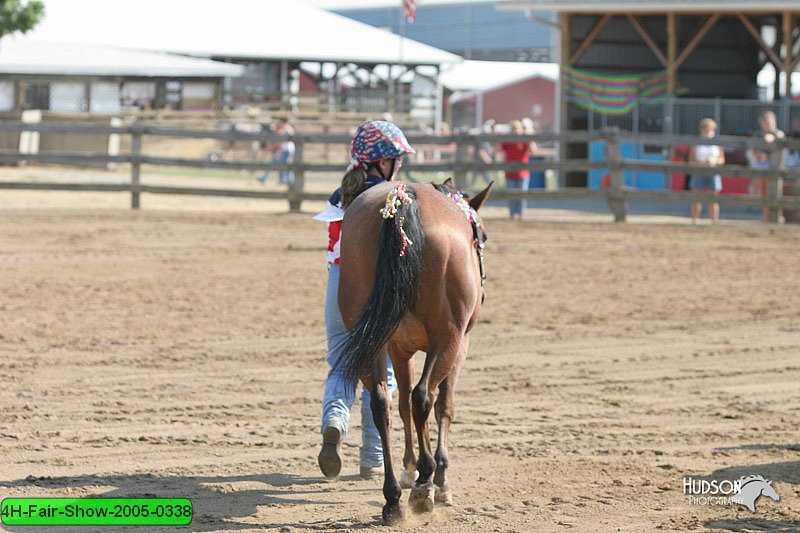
465	162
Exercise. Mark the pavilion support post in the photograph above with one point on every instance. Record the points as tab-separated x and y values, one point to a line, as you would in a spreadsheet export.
563	119
672	53
788	44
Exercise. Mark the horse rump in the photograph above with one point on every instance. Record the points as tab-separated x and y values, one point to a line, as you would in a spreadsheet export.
401	242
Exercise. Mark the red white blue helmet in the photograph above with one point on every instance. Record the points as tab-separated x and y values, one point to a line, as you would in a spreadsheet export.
376	140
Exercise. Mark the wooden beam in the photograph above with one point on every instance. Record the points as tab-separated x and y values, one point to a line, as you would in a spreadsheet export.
672	52
771	55
696	40
647	39
788	43
563	107
587	41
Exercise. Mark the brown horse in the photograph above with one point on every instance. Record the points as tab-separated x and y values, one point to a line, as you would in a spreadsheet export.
411	282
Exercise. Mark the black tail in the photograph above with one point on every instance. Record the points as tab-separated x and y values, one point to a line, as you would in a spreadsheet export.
395	290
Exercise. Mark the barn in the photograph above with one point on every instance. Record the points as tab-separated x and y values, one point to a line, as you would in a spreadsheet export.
701	58
500	91
272	44
101	80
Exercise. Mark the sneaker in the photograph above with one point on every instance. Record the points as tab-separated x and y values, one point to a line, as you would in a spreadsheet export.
371	472
330	456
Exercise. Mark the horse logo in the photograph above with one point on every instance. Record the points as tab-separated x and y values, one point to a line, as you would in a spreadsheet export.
752	487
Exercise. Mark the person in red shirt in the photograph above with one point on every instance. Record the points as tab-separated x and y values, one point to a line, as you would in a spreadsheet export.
519	151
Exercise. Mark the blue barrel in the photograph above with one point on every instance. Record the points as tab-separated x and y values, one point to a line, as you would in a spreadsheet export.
536	181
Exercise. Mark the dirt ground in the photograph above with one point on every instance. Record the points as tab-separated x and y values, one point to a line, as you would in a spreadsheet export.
179	352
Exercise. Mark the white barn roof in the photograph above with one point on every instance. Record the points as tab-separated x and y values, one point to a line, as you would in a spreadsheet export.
24	56
267	29
486	75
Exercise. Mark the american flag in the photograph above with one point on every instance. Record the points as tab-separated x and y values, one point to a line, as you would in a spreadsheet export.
410	7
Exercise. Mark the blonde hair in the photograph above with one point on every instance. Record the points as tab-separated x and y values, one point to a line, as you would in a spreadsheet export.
767	113
352	182
707	124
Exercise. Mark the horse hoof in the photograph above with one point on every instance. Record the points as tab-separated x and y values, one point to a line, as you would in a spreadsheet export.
444	496
421	498
407	479
392	514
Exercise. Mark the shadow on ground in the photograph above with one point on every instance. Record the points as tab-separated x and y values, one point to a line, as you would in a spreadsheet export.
217	504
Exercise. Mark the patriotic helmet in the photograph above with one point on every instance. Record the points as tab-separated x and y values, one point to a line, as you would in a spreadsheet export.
376	140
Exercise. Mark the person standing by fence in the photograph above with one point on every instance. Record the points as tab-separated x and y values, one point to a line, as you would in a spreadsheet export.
713	156
758	159
517	152
282	152
484	153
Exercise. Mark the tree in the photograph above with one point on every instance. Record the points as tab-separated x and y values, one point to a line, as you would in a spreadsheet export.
18	16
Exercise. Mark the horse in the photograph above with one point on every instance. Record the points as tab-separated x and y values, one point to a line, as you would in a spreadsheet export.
411	281
752	487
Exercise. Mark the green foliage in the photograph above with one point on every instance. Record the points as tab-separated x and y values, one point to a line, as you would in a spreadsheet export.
18	16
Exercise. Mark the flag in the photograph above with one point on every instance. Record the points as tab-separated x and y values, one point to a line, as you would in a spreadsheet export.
410	7
613	95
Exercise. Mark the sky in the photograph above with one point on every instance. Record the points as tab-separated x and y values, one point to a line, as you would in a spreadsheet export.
340	4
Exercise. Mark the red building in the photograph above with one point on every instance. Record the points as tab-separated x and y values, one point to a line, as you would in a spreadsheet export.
483	90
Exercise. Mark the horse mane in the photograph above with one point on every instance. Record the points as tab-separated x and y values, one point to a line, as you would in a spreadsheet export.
447	187
749	479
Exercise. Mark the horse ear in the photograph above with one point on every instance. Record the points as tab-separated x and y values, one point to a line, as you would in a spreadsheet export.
477	201
448	182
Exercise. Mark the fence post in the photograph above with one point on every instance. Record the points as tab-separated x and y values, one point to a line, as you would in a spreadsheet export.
616	193
136	158
462	152
775	180
298	183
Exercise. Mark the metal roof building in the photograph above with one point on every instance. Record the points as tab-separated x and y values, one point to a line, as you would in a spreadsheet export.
473	29
270	38
710	54
67	77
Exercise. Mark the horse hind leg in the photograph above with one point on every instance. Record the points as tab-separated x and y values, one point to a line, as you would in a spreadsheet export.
381	414
404	370
445	412
422	490
439	365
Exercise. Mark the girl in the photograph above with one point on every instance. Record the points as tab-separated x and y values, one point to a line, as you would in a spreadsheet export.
711	155
376	153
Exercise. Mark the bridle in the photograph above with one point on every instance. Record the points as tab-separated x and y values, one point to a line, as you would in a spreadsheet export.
478	244
477	234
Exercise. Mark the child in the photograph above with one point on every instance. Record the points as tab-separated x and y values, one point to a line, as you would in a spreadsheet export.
376	153
711	155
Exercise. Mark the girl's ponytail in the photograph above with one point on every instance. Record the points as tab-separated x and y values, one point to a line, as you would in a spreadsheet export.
352	182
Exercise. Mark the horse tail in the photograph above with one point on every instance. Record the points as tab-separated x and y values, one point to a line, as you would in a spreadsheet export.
401	242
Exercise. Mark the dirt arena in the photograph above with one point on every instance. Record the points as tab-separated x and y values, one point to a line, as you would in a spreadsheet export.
180	353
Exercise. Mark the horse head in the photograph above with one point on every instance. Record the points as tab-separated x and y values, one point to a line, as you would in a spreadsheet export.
769	491
751	488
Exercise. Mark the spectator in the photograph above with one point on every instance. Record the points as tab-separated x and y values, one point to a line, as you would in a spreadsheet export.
282	152
517	152
711	155
484	153
759	159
